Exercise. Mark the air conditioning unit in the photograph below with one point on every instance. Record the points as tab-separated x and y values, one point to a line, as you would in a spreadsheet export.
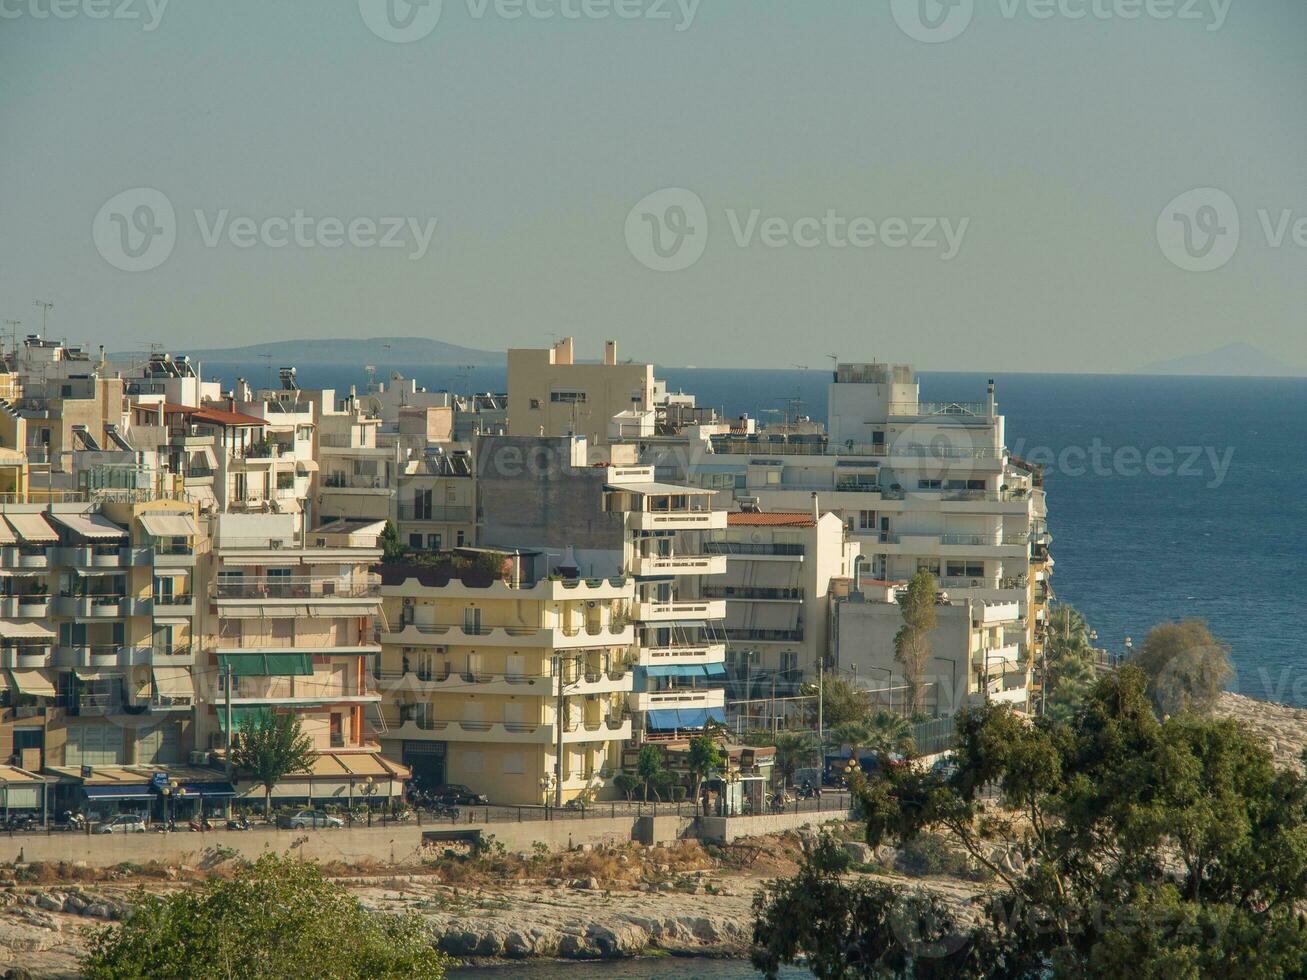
199	758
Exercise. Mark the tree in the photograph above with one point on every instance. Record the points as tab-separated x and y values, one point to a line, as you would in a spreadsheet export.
1068	669
890	732
649	768
703	759
392	548
852	735
840	701
1187	667
269	748
276	918
1129	846
793	751
912	642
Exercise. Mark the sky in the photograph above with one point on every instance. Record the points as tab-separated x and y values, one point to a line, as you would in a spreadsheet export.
1006	185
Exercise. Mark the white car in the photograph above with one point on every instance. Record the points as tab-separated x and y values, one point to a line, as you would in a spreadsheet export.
124	823
311	818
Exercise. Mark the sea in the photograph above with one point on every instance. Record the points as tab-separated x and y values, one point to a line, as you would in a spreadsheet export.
1168	497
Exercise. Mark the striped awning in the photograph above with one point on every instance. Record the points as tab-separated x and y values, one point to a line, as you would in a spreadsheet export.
268	664
33	528
161	525
92	526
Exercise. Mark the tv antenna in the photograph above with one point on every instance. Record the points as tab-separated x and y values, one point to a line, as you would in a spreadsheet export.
46	306
13	326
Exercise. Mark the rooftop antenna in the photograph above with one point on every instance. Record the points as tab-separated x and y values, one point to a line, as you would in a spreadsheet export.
268	360
371	371
13	326
46	306
464	374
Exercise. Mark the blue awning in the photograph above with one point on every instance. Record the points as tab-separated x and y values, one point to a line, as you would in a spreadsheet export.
141	792
692	717
715	670
718	715
664	720
674	670
210	789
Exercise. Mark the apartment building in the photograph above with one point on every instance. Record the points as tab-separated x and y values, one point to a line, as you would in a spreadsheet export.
435	502
97	615
292	624
551	394
777	590
977	651
918	484
358	476
506	675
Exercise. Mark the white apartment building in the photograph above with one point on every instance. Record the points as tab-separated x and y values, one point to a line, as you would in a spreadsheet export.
918	484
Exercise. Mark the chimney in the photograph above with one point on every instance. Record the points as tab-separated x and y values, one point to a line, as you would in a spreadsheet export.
516	581
816	509
610	352
992	406
563	351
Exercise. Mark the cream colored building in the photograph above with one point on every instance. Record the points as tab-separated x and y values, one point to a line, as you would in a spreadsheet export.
550	394
486	669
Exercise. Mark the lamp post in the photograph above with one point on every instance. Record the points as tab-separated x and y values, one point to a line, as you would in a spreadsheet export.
369	787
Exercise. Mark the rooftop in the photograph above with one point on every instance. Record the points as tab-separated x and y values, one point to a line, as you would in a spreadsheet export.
775	519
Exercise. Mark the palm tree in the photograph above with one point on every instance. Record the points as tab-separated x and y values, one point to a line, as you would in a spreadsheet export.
1068	669
793	749
853	735
890	732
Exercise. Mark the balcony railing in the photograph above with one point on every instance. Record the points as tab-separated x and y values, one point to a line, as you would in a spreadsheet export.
296	587
765	635
450	513
742	592
746	548
968	409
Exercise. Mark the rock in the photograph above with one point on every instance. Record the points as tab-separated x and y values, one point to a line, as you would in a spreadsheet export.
860	852
51	903
99	911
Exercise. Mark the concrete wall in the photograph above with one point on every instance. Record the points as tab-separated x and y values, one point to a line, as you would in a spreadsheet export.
723	830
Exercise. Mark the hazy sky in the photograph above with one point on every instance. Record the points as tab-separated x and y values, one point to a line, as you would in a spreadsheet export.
1048	144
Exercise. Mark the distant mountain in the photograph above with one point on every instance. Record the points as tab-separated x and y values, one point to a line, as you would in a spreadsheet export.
371	350
1233	360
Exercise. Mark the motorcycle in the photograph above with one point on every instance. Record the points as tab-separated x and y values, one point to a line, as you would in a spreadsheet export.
70	821
240	823
200	825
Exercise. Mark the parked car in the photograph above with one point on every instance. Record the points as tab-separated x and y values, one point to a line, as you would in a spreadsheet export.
309	818
124	823
456	794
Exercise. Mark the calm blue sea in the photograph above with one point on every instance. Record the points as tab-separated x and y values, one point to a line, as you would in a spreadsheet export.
1168	497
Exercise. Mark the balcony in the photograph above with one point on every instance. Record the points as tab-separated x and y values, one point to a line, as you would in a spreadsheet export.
33	657
172	556
101	556
688	697
1002	658
659	610
349	481
175	604
294	587
676	520
441	513
96	655
752	594
33	606
744	549
37	559
93	606
419	634
662	565
765	635
704	653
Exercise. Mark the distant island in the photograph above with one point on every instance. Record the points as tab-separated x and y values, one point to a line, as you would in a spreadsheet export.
351	350
1233	360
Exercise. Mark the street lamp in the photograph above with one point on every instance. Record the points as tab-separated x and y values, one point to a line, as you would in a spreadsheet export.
369	787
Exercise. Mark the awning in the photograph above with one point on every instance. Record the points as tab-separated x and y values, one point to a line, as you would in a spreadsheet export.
306	465
242	715
7	535
717	715
91	674
258	610
692	717
174	682
333	612
5	684
209	789
675	670
34	682
169	525
268	664
32	528
92	526
663	720
668	719
715	670
133	792
26	631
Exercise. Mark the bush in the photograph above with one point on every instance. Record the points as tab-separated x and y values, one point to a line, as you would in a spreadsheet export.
276	918
930	854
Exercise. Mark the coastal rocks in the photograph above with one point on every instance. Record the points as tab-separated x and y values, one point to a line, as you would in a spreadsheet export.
1284	728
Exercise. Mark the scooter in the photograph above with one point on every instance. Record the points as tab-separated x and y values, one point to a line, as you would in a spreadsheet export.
240	823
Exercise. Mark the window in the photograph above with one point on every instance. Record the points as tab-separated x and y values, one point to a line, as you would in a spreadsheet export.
415	541
461	542
337	731
789	661
773	478
929	484
535	404
433	542
963	569
567	397
867	520
512	763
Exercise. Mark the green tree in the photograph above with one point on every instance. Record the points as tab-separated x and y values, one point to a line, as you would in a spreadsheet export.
1129	847
270	747
852	735
890	732
703	759
276	918
794	750
649	768
912	642
841	701
1187	667
1068	669
392	548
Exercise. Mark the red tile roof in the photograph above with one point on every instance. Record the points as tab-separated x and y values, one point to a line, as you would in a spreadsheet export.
776	519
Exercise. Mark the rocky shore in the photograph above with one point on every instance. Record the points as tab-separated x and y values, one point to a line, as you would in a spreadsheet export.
1283	727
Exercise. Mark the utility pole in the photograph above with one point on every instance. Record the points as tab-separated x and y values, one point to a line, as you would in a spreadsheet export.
559	720
227	709
821	704
46	307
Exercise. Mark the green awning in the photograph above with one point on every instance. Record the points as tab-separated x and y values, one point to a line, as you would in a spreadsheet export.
268	664
239	714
